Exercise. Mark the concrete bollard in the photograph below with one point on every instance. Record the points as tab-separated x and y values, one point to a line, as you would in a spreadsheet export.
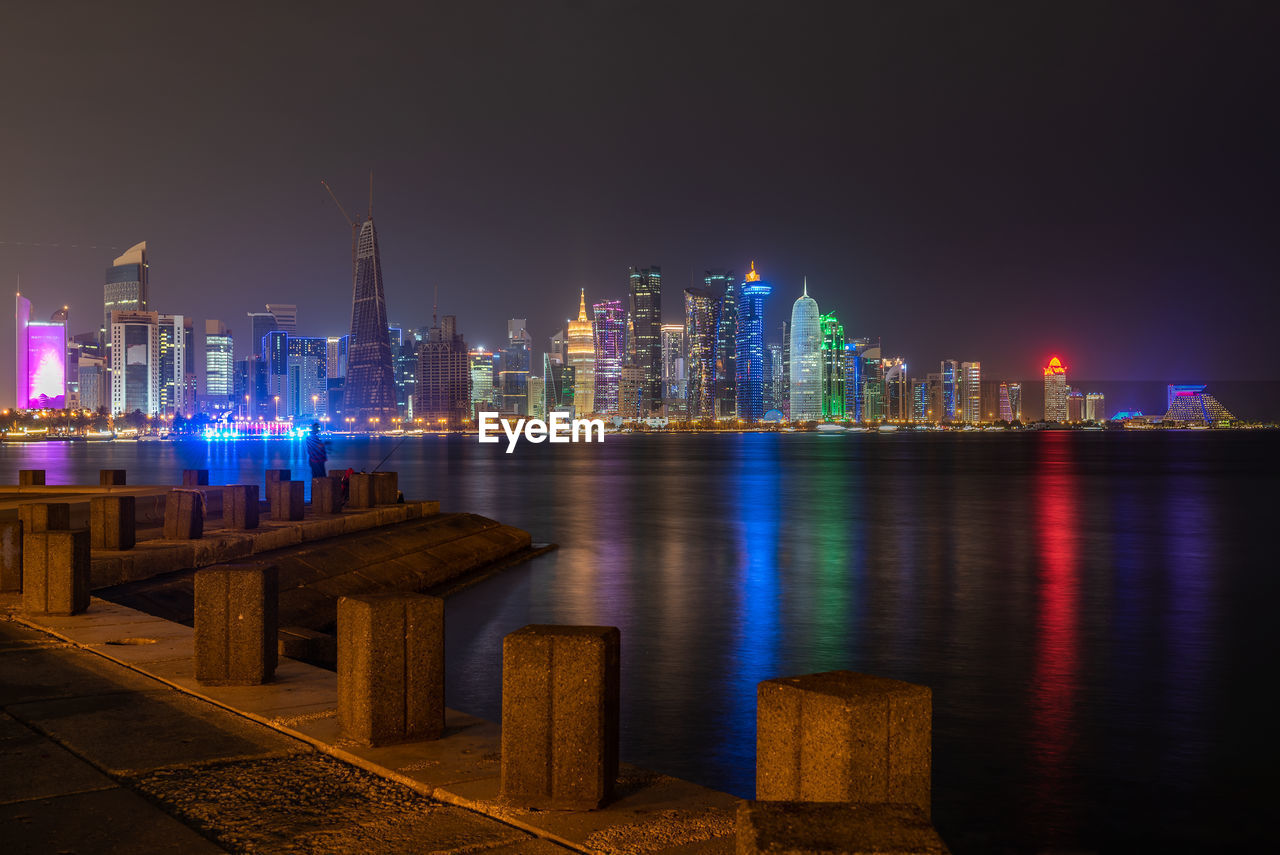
288	500
819	828
10	555
112	522
360	491
236	616
111	477
391	667
326	495
385	488
240	506
30	477
274	475
55	572
195	477
840	736
45	516
184	514
560	716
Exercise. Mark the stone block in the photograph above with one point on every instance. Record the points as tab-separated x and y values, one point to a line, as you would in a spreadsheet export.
240	506
10	555
274	475
361	492
236	616
30	477
111	477
391	667
184	515
326	495
45	516
560	716
112	522
840	736
195	477
385	488
288	500
299	642
829	828
55	571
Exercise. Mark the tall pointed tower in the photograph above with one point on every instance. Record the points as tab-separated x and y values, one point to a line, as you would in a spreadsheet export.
370	392
582	358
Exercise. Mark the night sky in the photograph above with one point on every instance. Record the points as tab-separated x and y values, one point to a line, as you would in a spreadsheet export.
981	181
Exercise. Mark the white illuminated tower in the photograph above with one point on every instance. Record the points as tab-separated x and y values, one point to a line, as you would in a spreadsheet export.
1055	391
806	359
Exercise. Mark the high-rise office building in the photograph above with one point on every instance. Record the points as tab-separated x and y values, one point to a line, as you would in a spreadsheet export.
701	315
608	329
482	379
1055	391
308	382
582	359
970	405
336	355
404	366
673	365
219	360
749	362
260	323
782	380
445	370
724	285
135	362
513	368
1075	405
644	347
951	392
1005	405
41	359
833	367
173	360
631	385
369	390
1095	407
557	383
537	397
286	316
919	400
897	390
777	397
127	288
1015	400
275	358
806	359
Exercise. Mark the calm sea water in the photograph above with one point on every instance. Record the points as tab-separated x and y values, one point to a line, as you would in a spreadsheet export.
1095	613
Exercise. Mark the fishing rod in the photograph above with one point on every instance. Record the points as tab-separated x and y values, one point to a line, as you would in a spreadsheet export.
391	452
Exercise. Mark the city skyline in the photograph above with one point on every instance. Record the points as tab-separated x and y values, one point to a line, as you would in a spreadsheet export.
1069	154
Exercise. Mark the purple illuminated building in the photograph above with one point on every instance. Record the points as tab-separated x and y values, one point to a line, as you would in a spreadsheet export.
41	351
608	328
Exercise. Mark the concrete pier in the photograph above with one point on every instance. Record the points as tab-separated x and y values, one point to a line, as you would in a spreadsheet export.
326	495
274	475
361	491
195	477
840	736
184	515
391	667
240	507
45	516
288	500
112	522
55	572
236	624
10	555
111	477
560	709
385	488
826	828
30	477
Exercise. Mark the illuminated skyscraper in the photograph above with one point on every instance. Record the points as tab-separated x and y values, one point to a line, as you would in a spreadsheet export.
1015	400
806	359
673	364
608	329
173	358
41	351
1055	391
724	285
1075	405
1095	407
701	315
127	288
951	392
261	323
286	316
482	377
514	367
749	340
776	399
833	367
920	400
970	405
442	393
369	390
582	359
644	310
219	360
135	362
1006	406
897	390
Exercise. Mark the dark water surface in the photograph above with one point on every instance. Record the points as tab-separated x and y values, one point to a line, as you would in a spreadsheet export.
1095	613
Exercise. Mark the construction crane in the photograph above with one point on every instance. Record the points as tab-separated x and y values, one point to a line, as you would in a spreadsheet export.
355	227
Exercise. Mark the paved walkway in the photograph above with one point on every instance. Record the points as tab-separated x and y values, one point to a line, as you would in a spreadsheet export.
97	758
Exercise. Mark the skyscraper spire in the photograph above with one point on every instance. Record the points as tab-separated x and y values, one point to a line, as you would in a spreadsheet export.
582	306
806	286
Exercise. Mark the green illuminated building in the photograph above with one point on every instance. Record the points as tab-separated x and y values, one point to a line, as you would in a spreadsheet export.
833	374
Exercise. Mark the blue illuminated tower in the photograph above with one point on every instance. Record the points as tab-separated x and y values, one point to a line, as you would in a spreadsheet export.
750	358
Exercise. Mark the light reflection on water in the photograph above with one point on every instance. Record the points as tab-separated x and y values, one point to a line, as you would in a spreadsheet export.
1093	612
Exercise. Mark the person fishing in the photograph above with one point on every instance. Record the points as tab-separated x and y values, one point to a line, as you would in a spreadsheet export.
317	455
